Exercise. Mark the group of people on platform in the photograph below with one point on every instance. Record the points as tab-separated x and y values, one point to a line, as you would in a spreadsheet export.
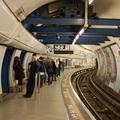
47	69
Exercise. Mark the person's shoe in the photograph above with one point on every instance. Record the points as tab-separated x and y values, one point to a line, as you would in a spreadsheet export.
25	96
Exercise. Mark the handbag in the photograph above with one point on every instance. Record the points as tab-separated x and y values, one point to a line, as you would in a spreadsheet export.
45	76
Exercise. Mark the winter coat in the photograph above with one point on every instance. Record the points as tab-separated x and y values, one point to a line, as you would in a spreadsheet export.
54	67
49	67
19	71
34	69
42	66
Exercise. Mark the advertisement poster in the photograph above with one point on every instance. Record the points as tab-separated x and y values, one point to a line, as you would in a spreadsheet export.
101	66
116	83
110	67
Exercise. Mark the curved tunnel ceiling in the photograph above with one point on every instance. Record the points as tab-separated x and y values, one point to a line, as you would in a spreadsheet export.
59	21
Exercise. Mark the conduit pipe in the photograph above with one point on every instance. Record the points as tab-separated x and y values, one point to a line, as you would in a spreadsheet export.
86	14
85	24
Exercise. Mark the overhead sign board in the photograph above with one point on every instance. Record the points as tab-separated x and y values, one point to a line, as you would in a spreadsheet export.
63	52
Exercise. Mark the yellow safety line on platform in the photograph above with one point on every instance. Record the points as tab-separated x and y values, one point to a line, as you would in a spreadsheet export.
74	105
66	78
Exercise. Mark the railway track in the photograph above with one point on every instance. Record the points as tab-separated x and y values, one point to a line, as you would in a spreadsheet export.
102	104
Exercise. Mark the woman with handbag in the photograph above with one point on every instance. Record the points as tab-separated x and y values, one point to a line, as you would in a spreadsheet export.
19	73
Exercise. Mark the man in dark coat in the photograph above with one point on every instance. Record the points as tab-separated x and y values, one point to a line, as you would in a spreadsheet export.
62	65
31	81
54	71
41	70
49	68
59	66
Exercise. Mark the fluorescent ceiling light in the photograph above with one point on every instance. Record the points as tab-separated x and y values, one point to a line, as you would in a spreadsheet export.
90	2
78	35
74	41
81	31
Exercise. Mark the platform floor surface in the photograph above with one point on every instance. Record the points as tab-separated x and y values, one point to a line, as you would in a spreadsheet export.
48	105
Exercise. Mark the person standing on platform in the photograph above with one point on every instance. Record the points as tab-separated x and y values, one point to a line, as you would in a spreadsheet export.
57	68
54	71
62	65
19	73
46	74
49	69
31	81
41	70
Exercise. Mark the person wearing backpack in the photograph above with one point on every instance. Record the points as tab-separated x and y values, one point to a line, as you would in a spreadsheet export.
41	70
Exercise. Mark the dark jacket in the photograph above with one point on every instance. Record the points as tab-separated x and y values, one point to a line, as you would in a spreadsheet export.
60	63
19	71
42	66
54	67
34	69
49	67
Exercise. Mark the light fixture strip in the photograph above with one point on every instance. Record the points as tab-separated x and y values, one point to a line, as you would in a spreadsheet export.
86	21
78	35
90	1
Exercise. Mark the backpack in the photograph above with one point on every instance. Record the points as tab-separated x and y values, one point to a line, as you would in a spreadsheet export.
42	66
